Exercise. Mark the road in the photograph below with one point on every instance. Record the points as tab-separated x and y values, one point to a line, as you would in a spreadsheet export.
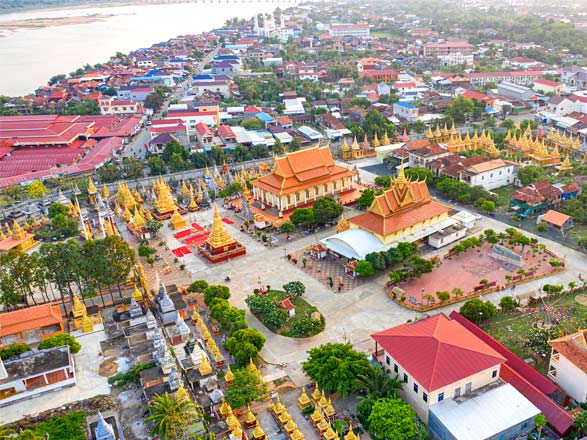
136	147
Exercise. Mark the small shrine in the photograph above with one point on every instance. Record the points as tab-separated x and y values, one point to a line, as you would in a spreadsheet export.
17	238
565	167
92	191
220	246
351	435
163	204
177	221
79	311
137	224
124	197
229	377
304	401
250	419
258	433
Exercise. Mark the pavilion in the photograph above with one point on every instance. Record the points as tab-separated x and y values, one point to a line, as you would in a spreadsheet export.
403	213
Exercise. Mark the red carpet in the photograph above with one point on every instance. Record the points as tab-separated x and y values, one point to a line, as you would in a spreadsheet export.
227	221
181	251
197	227
183	234
196	239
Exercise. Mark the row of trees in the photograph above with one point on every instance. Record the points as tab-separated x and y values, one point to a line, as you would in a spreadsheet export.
68	267
324	210
379	261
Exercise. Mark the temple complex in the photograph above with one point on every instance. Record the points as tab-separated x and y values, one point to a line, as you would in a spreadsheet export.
16	238
403	213
533	149
569	145
362	150
220	246
299	178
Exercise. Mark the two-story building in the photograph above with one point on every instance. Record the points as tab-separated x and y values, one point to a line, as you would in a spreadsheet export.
568	364
451	378
490	174
405	110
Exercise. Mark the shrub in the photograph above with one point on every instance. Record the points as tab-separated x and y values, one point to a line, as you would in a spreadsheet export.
260	305
555	263
70	426
215	291
145	251
364	269
276	318
13	350
59	341
306	327
542	227
475	310
131	376
443	295
294	288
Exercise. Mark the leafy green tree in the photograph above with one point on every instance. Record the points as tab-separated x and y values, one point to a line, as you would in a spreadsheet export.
154	226
198	286
476	310
154	101
530	174
419	173
172	417
540	422
488	206
580	423
377	260
537	340
68	426
13	350
55	209
288	227
294	288
392	418
177	163
383	181
37	189
109	173
157	166
507	303
215	291
364	269
133	168
335	367
247	387
60	340
459	108
326	209
174	147
303	216
245	344
252	124
366	198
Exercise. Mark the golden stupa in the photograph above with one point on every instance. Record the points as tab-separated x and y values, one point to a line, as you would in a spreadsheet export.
177	221
220	245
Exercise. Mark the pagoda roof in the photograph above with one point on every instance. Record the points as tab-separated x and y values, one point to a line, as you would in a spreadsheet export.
29	319
302	169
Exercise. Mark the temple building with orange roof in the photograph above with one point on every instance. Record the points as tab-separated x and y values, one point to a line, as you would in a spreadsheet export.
301	177
30	325
403	213
16	238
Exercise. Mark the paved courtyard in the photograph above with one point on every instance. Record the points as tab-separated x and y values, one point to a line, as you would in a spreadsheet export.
466	270
351	315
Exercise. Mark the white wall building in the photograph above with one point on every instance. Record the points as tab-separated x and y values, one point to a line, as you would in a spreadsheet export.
349	30
456	59
568	364
491	174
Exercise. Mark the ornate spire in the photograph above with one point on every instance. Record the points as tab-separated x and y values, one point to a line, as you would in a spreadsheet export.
405	137
18	232
429	134
258	432
351	435
219	236
385	140
205	369
86	323
104	430
375	142
78	308
136	294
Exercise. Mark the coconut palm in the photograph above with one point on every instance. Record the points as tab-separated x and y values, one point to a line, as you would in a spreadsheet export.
378	384
172	417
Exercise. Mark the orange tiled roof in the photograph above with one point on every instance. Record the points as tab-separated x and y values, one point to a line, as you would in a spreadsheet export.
300	170
29	319
405	204
555	218
573	347
10	243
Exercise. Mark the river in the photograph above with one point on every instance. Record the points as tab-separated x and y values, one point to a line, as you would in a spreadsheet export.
30	56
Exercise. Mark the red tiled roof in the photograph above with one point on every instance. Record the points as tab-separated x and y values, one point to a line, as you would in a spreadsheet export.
437	351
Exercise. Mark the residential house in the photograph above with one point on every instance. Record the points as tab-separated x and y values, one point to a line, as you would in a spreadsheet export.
385	75
221	87
405	110
534	199
546	86
562	105
204	135
158	143
134	93
421	157
113	106
556	220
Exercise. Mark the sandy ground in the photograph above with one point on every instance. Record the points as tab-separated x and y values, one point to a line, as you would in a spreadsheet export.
89	383
49	22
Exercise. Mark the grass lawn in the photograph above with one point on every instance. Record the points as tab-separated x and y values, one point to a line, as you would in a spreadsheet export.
578	231
303	310
511	329
504	195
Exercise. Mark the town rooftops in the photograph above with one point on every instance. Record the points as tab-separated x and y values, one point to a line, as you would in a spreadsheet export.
437	351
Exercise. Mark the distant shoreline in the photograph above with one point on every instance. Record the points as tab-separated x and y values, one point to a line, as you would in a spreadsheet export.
67	6
35	23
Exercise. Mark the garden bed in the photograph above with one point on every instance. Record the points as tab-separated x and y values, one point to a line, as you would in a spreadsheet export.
300	325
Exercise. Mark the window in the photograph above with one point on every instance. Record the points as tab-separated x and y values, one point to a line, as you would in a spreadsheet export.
494	374
457	392
441	397
425	397
395	368
468	387
416	388
387	360
405	378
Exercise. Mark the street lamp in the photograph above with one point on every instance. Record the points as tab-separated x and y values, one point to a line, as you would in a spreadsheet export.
480	315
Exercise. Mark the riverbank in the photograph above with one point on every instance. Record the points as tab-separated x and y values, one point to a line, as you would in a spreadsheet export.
36	23
65	6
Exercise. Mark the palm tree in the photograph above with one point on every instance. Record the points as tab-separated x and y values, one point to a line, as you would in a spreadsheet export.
172	417
540	422
377	383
